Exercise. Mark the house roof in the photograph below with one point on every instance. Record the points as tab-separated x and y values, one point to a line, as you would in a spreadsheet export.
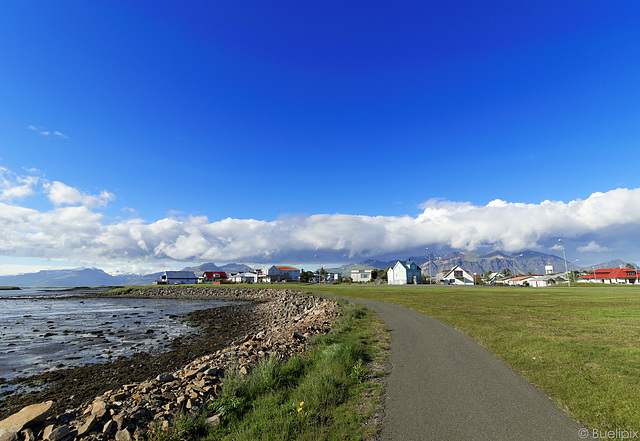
287	268
180	274
457	267
406	264
215	274
612	273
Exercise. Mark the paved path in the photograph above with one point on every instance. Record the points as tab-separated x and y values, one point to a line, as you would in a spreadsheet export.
444	386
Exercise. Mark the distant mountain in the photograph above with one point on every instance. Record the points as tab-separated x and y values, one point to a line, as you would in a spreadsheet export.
611	264
236	268
65	277
202	268
497	261
494	261
97	277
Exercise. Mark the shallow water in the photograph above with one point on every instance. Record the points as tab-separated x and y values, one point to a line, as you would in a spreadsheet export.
45	330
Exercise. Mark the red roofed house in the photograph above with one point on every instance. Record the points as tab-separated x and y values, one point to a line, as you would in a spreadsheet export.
212	276
624	276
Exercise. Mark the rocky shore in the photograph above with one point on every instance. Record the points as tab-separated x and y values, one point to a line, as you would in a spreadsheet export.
123	399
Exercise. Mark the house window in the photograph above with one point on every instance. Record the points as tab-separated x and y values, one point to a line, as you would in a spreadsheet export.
457	273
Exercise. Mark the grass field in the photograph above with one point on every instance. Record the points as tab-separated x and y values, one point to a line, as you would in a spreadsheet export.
580	346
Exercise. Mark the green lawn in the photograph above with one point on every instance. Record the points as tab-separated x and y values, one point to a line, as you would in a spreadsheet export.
580	346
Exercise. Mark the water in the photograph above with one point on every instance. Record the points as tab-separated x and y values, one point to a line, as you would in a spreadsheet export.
45	330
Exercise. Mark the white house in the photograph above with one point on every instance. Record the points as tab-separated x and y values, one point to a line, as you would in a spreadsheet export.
546	280
457	276
327	277
178	277
275	273
361	275
403	273
492	278
243	278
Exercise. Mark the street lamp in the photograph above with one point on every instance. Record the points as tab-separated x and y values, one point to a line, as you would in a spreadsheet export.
429	267
566	270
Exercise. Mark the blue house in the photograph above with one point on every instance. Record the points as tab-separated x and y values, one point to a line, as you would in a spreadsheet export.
178	278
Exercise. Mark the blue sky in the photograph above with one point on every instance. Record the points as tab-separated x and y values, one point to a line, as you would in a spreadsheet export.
143	135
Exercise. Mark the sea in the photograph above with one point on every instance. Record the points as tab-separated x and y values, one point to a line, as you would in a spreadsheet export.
47	329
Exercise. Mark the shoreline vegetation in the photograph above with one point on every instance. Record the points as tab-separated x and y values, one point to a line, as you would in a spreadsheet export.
290	366
10	288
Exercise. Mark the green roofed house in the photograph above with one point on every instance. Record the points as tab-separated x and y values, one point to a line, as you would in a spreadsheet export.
405	272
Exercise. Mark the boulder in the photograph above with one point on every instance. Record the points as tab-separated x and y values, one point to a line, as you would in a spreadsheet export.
36	413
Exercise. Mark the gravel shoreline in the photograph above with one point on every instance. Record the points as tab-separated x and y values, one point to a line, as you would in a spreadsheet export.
271	322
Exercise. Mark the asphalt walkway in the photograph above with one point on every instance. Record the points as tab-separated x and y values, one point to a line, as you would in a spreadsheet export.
444	386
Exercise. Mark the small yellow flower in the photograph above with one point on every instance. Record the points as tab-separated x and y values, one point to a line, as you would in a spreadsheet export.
301	403
299	409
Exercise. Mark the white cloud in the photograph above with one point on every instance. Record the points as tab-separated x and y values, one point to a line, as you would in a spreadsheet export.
72	230
46	132
62	194
15	187
592	247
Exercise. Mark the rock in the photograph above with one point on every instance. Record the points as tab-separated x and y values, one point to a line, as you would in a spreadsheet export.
36	413
165	378
110	427
123	435
119	396
57	434
213	420
99	408
88	425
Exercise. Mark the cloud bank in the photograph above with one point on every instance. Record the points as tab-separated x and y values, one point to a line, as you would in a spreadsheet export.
75	229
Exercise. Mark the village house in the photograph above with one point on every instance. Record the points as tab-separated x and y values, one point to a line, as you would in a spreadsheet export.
617	276
178	278
212	276
275	273
455	276
246	277
361	275
546	280
403	273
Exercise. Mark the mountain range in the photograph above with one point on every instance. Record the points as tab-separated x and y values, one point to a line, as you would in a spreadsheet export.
495	261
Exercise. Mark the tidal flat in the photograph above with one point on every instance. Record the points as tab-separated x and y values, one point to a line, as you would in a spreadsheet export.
68	344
